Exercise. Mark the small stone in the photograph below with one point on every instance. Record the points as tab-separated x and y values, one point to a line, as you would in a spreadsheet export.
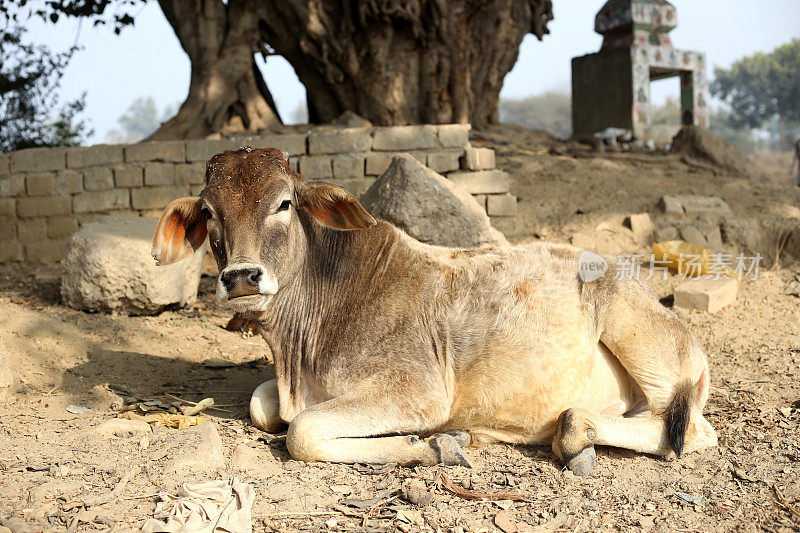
344	490
709	295
692	235
199	449
505	523
641	226
415	491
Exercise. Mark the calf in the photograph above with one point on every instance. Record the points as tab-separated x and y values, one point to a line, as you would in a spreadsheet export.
378	338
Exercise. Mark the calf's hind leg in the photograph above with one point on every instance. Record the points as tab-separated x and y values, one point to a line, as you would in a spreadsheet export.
367	426
577	431
664	360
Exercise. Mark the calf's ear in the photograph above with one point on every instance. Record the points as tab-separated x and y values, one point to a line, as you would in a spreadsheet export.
334	206
180	231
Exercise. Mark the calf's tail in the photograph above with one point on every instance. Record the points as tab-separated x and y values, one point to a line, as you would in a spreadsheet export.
678	414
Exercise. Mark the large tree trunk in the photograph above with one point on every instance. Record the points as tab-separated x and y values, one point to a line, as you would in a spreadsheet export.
227	92
402	61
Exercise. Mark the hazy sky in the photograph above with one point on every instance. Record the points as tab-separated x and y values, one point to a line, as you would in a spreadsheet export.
147	60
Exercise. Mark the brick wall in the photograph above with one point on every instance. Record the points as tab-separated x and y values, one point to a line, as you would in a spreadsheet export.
47	193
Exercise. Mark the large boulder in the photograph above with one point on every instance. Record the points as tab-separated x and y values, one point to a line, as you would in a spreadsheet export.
429	207
109	268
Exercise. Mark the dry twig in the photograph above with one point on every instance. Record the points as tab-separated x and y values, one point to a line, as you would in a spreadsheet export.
783	502
115	493
446	483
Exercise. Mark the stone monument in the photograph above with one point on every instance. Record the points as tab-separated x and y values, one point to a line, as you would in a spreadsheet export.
611	88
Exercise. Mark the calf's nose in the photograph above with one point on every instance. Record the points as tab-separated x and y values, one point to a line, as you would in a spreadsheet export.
248	276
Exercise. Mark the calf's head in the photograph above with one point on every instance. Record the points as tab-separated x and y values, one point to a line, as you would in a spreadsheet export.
253	210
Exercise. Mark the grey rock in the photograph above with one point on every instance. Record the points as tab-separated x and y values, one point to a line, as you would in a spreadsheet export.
108	267
667	233
692	235
429	207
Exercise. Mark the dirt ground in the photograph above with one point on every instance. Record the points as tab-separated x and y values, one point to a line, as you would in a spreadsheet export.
51	459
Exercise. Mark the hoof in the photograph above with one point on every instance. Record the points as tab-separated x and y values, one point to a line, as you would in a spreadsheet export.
463	438
582	464
449	450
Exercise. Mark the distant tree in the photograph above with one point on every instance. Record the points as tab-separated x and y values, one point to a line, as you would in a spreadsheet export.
761	86
550	111
31	114
139	120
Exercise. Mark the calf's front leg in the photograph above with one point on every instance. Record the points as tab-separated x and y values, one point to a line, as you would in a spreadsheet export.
369	426
265	407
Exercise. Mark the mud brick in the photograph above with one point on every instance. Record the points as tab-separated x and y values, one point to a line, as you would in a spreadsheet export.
355	186
61	226
203	150
478	159
98	179
4	164
294	163
709	295
12	186
339	140
68	182
453	135
159	174
99	201
316	166
10	251
8	207
157	197
501	205
47	251
8	228
195	190
482	181
190	174
348	166
481	199
102	154
44	206
40	184
398	138
87	218
32	229
172	151
443	161
294	143
671	205
37	159
129	176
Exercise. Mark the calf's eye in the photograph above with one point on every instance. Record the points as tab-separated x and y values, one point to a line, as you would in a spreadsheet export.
284	205
206	213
